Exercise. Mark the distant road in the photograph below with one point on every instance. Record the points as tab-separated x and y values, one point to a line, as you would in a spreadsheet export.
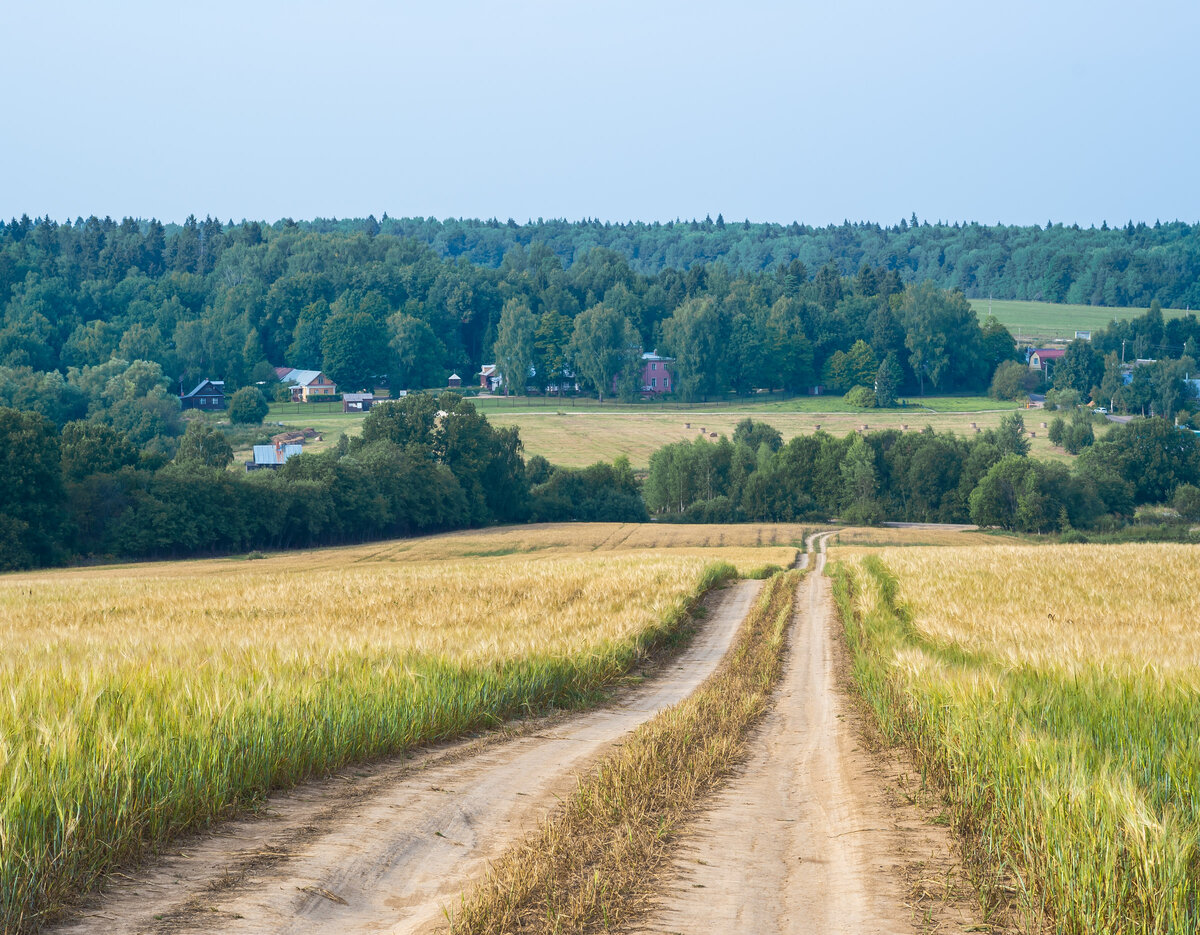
949	527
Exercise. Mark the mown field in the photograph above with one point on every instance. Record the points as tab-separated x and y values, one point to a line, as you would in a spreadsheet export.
143	700
578	439
575	436
1053	320
1052	691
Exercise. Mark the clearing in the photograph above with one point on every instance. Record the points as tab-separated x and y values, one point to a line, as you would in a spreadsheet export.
1042	321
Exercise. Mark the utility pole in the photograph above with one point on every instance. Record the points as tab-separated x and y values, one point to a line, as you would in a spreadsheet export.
1122	350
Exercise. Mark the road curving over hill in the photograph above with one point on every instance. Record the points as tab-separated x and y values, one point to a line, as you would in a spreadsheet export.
384	848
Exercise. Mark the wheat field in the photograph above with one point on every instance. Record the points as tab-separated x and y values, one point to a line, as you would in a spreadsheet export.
1054	691
140	701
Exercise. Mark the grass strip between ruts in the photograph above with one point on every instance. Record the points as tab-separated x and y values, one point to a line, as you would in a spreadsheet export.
591	864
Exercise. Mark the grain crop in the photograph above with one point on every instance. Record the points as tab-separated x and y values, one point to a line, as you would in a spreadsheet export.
137	702
1052	692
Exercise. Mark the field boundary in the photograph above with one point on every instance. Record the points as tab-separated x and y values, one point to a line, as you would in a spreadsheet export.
592	863
1007	901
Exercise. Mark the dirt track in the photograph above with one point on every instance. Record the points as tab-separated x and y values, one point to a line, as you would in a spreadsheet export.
384	848
808	838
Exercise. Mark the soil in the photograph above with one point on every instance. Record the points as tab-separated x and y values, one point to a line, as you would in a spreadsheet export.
387	847
823	830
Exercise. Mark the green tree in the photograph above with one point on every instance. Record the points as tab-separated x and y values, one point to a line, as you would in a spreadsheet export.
1010	436
203	445
860	484
417	353
603	343
693	335
1111	382
94	448
942	337
354	349
1080	368
887	381
32	512
1012	380
514	347
248	406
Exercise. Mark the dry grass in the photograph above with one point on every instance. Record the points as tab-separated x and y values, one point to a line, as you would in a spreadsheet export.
142	701
1051	691
590	866
581	438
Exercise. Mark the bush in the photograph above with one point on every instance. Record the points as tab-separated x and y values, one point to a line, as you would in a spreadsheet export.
1013	380
861	397
248	406
1187	501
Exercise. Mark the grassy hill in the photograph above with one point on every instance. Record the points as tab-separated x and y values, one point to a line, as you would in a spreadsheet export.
1050	320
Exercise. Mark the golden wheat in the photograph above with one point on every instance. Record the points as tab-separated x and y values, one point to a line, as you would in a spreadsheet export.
1053	691
139	701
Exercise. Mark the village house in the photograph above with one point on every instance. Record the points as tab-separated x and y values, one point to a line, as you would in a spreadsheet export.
656	378
489	378
357	402
1045	358
307	385
209	395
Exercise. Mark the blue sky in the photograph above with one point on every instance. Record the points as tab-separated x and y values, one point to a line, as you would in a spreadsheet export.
1016	112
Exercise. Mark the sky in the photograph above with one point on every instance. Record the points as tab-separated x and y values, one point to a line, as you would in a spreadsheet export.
1017	112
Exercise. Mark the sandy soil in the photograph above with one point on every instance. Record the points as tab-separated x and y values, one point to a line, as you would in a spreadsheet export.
384	848
815	834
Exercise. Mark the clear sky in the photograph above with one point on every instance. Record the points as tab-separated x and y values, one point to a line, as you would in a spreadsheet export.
1001	111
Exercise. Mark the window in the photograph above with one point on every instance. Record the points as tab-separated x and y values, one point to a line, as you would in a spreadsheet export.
654	383
654	366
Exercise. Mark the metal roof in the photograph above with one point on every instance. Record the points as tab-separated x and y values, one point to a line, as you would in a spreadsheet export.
357	397
269	454
217	385
300	377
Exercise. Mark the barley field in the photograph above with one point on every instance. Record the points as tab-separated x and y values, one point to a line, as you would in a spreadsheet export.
140	701
1054	691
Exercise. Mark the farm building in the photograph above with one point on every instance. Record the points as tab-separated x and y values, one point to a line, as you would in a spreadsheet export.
209	395
272	456
307	385
357	402
454	382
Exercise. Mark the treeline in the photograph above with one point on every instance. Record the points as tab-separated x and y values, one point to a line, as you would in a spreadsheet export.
206	300
922	477
421	464
1129	265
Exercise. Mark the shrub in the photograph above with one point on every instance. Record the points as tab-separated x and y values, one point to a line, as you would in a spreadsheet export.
861	397
1187	501
248	405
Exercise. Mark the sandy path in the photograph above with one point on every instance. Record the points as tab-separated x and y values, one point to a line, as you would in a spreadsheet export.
804	839
384	848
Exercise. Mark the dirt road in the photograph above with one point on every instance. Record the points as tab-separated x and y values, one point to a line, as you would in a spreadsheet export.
384	848
805	839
